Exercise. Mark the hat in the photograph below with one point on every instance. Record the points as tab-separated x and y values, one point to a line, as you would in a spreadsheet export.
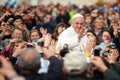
77	15
75	63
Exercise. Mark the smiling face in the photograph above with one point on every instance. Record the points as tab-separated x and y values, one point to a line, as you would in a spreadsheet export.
77	23
60	30
106	37
88	19
33	36
17	34
17	22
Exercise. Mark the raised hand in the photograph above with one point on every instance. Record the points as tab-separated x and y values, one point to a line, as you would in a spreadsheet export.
82	32
98	64
6	68
113	55
47	40
20	48
43	31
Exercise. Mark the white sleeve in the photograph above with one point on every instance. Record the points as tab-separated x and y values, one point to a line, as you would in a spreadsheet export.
72	41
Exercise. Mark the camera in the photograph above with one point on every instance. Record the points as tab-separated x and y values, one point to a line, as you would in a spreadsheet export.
64	51
30	45
113	46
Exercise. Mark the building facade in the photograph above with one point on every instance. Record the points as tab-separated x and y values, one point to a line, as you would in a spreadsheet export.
46	2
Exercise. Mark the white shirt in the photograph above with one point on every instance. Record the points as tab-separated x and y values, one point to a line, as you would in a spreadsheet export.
70	37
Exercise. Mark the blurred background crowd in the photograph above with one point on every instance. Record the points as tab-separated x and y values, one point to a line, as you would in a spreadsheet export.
29	34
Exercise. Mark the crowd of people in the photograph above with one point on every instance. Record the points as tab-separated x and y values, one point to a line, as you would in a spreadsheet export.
60	42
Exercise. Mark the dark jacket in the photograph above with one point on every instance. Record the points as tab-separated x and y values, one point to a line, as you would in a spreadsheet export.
54	71
109	75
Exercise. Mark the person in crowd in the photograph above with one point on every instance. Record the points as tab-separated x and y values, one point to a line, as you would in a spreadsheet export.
98	28
25	31
104	46
58	30
5	30
88	22
91	43
114	31
34	35
76	67
63	16
8	50
8	71
17	20
49	23
28	56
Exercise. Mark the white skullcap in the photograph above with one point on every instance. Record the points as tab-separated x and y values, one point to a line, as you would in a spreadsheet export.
77	15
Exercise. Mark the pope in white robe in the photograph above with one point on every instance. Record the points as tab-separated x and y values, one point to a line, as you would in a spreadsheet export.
71	35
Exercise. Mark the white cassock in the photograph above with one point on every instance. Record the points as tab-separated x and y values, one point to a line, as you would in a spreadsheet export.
70	37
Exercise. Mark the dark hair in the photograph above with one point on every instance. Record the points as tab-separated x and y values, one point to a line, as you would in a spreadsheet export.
55	33
17	17
90	31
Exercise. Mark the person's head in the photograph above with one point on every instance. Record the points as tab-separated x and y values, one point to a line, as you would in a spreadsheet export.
113	21
75	63
98	23
62	12
47	18
17	34
92	36
22	26
17	43
115	25
113	51
94	13
3	25
77	22
88	19
17	20
29	60
34	35
106	37
58	30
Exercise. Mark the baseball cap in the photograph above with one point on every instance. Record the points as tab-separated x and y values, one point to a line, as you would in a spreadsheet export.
75	62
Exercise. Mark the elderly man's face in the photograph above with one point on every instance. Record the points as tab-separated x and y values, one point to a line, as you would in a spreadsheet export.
77	24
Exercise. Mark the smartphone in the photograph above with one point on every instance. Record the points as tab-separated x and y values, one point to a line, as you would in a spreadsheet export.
97	52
